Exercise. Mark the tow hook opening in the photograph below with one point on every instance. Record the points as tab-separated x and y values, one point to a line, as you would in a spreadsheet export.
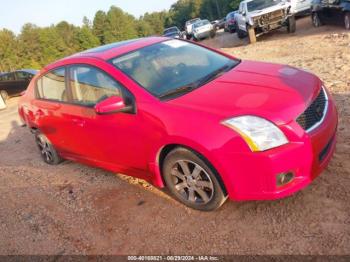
284	178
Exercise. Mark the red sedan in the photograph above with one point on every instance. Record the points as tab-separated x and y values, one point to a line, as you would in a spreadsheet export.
204	124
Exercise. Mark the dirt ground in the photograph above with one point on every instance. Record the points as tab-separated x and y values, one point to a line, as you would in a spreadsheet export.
75	209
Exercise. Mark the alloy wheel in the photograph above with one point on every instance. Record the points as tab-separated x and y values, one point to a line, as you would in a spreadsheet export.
45	149
192	182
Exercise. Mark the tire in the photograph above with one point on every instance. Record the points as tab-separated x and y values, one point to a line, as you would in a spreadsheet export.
251	34
347	20
188	37
48	153
5	95
213	34
192	181
291	27
240	33
316	20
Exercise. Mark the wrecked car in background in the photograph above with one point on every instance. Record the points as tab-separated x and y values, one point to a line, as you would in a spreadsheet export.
257	17
331	11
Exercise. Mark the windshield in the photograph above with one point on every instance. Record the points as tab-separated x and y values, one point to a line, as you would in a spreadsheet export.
170	30
173	64
256	5
201	23
192	21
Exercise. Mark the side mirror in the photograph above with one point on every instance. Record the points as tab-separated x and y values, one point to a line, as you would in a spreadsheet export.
112	105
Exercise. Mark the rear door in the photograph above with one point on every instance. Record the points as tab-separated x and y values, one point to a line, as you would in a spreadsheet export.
8	84
22	81
49	108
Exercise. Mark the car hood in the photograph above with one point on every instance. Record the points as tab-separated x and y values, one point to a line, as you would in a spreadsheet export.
276	92
270	9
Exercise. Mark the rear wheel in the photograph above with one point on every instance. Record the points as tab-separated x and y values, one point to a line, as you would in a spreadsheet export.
47	150
192	181
291	24
347	21
4	95
316	20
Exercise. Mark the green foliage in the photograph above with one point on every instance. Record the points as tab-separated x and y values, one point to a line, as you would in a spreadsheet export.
35	47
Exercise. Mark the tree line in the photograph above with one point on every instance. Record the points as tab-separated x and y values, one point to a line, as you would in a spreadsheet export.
36	46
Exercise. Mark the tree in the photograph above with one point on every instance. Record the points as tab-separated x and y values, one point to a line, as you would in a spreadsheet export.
100	25
8	51
120	26
85	38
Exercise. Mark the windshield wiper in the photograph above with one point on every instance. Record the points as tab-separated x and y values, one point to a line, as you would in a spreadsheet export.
190	87
177	91
214	74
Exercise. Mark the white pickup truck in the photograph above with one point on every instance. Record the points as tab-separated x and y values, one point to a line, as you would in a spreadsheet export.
257	17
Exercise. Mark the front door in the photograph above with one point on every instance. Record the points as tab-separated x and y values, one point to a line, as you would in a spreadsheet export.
116	140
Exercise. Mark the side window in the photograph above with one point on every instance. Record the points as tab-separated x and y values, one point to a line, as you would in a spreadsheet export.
8	77
90	85
22	75
52	86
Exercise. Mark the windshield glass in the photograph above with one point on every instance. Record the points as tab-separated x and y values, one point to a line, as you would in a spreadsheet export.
170	65
256	5
170	30
201	23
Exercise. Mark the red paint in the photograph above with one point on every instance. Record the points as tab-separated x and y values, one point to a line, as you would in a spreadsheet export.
131	143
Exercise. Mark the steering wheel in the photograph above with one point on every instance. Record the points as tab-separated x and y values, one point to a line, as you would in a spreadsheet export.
180	69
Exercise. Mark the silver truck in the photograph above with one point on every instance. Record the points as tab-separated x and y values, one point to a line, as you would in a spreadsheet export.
257	17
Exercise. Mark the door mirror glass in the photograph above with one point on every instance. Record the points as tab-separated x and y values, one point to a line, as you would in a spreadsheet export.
113	104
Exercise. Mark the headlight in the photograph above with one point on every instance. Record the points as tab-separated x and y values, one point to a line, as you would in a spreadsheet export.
259	133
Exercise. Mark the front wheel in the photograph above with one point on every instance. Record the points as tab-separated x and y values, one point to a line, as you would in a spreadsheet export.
251	34
192	181
291	27
347	21
48	153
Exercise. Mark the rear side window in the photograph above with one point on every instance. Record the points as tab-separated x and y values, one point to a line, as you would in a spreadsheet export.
52	86
8	77
90	85
22	75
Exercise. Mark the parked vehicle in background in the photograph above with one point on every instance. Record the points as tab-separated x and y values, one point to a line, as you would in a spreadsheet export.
331	11
14	83
230	24
203	29
188	27
219	24
173	32
257	17
201	122
300	7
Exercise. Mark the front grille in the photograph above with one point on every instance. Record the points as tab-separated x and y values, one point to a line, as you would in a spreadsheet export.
269	18
314	114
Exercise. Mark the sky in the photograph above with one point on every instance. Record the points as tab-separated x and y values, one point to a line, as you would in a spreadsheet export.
15	13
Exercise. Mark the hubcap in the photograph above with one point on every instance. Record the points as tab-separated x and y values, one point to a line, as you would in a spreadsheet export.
45	149
192	182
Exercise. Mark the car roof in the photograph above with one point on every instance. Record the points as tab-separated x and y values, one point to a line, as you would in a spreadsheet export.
30	71
109	51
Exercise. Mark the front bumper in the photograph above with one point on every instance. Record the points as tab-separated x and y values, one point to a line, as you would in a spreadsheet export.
202	35
252	176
